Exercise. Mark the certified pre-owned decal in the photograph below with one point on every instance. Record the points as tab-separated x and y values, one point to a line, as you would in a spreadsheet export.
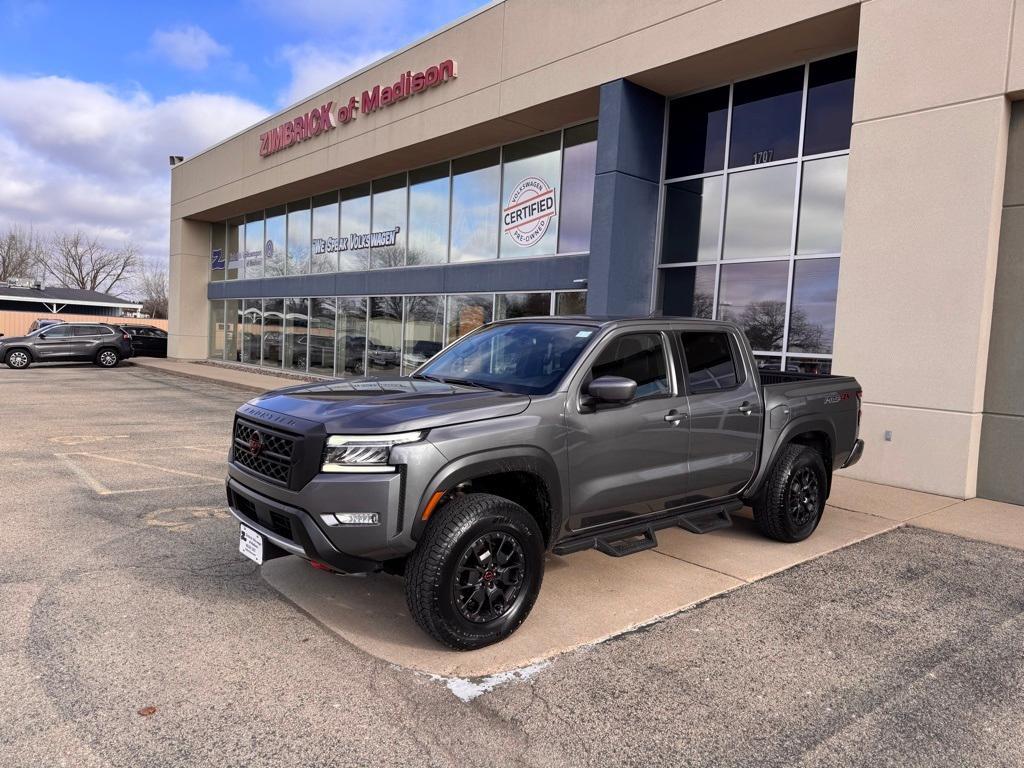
528	212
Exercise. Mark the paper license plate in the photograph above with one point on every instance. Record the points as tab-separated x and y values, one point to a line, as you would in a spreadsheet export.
250	544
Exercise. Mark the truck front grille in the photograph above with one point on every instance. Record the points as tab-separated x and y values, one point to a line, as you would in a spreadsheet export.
263	452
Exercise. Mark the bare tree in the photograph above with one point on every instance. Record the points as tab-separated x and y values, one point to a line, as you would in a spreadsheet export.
20	253
152	290
75	260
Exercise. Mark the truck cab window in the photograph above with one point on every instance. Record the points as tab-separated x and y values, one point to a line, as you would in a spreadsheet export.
710	366
636	356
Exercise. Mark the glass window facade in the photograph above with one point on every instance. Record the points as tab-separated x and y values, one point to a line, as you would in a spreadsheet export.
349	336
531	198
755	183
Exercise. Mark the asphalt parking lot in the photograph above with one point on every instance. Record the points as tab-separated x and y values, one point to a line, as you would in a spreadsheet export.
121	589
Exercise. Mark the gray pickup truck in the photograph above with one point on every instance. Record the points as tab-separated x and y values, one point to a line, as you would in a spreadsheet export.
530	436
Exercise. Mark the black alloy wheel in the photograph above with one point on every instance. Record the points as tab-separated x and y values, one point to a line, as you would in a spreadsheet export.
489	577
790	505
803	496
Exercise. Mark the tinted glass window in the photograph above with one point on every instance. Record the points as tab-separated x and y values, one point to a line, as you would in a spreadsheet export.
296	334
424	330
822	199
709	363
325	233
696	133
320	339
389	208
273	330
351	336
754	297
766	118
636	356
384	344
428	215
529	196
217	328
236	248
467	313
217	243
759	215
529	358
252	329
579	162
688	292
693	211
512	305
355	221
812	321
829	104
232	323
476	193
571	303
254	246
56	331
297	262
90	330
275	245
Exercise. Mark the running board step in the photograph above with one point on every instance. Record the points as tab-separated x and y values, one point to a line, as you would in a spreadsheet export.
706	520
627	545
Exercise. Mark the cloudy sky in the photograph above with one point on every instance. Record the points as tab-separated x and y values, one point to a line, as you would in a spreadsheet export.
94	96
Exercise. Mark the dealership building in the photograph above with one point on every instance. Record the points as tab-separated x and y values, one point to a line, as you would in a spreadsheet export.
844	180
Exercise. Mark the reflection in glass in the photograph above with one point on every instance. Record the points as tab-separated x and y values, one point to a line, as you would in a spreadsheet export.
254	246
325	227
571	303
355	221
385	338
236	248
812	321
274	249
693	211
696	133
475	207
759	213
829	104
467	313
537	159
232	330
579	163
768	363
817	365
298	238
688	292
822	198
320	336
216	337
389	208
217	251
428	215
296	341
754	297
252	330
424	330
351	336
510	305
766	118
273	327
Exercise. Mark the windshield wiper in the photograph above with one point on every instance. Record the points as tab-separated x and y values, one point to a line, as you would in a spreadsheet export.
427	378
468	383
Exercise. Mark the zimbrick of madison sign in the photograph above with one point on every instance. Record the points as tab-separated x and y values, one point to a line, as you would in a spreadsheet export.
326	117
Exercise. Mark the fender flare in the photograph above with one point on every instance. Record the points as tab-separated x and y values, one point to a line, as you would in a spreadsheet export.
796	427
514	458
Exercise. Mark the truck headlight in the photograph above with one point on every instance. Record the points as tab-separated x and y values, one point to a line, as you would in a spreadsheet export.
364	453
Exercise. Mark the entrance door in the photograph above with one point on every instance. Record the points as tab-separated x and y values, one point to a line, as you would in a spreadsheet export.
725	415
628	460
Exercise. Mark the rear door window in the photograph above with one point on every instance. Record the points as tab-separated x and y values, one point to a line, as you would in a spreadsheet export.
88	330
57	331
637	356
710	364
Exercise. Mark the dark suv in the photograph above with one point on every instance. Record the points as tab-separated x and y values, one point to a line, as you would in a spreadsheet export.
103	344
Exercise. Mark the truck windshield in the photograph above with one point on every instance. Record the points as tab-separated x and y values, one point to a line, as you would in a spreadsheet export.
526	358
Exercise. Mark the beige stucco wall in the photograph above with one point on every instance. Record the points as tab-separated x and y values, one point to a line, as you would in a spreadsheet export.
189	311
920	238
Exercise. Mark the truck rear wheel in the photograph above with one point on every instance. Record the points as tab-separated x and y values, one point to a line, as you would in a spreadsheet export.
793	499
477	571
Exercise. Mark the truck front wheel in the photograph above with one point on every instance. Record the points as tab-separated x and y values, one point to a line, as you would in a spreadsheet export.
790	506
477	571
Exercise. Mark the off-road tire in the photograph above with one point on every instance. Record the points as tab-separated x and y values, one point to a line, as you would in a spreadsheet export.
433	568
107	358
18	359
774	508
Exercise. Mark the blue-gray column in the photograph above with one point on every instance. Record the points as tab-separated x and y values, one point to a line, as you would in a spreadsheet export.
629	137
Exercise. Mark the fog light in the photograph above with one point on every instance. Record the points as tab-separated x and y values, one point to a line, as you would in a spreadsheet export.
358	518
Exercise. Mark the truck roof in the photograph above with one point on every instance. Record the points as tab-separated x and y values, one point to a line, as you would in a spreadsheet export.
606	320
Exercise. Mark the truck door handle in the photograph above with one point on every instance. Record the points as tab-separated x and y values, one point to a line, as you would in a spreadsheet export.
674	416
745	409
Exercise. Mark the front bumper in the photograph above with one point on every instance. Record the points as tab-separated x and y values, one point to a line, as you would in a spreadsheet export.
855	454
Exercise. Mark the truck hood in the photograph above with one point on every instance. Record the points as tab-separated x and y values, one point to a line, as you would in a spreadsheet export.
378	406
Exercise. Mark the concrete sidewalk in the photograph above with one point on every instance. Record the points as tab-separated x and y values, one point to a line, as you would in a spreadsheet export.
222	374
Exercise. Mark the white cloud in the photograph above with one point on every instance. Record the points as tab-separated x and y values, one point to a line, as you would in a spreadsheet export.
99	161
313	69
187	47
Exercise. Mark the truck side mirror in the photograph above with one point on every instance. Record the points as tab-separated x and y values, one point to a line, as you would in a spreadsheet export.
612	389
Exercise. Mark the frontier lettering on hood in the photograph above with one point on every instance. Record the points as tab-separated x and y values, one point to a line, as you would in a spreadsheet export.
325	118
